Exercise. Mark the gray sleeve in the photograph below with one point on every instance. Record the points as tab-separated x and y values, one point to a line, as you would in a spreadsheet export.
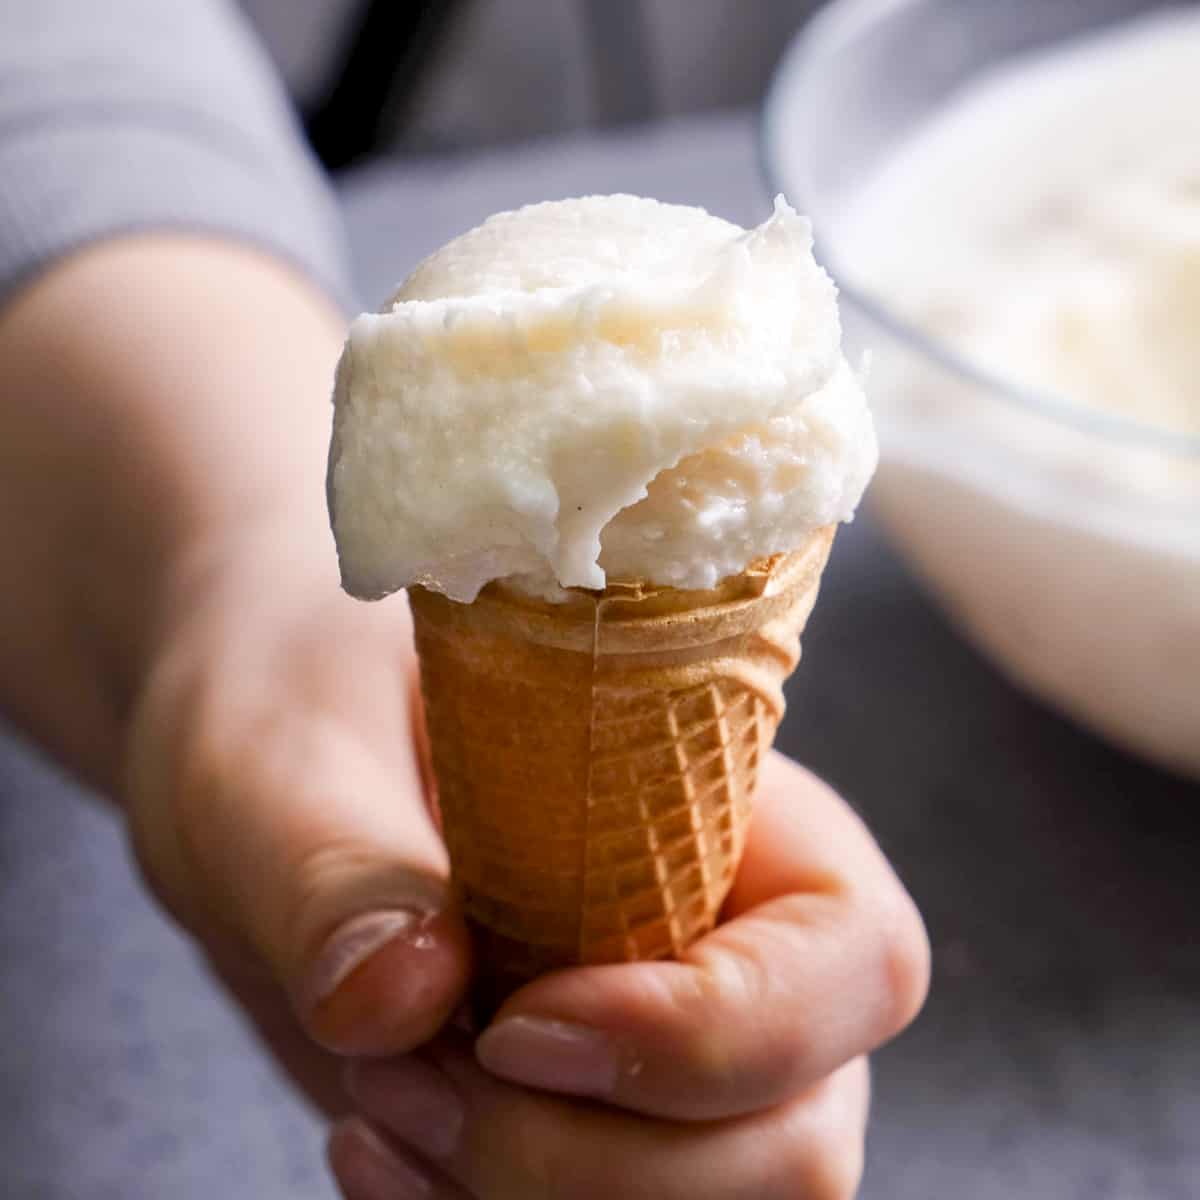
135	115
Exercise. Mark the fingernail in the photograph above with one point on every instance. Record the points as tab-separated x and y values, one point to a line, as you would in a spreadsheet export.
414	1101
369	1169
554	1055
354	943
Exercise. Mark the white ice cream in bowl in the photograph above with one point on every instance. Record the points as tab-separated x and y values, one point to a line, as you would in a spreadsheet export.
596	390
1009	196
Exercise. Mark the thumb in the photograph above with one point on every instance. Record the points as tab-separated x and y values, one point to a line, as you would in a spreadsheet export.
291	819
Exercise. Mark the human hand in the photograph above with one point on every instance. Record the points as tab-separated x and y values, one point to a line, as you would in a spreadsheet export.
277	807
172	630
258	727
738	1072
276	797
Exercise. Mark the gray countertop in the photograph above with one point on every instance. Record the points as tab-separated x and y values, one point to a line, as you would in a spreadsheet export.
1059	1055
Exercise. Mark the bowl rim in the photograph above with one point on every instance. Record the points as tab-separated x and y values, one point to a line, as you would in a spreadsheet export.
838	21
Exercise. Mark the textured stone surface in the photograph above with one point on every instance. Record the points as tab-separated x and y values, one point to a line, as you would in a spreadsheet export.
1058	1056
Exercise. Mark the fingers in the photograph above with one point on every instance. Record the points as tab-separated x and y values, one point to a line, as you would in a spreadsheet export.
368	1166
467	1134
823	958
276	802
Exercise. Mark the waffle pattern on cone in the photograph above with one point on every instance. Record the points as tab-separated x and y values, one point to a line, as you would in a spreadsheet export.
596	760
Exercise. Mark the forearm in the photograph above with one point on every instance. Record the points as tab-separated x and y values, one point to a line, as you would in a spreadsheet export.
143	381
156	396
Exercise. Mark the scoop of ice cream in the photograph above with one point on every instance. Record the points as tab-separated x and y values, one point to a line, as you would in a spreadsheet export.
1116	322
600	388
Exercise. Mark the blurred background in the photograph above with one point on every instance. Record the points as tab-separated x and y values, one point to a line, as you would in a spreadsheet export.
432	75
1058	1055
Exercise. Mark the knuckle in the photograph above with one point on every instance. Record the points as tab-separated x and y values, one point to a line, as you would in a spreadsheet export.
332	869
177	844
732	982
906	964
265	875
823	1163
740	985
788	1050
197	783
820	1153
190	789
734	979
209	778
214	769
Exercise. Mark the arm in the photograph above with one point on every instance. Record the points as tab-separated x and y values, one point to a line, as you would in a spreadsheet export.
127	407
276	801
173	628
170	622
171	625
155	390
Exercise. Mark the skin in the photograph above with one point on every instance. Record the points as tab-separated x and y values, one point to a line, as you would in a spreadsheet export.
172	629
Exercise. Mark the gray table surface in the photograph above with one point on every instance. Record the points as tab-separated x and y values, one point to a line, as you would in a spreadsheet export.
1059	1055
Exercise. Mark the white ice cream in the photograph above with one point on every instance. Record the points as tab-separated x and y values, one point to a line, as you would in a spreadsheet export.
1045	223
599	388
1050	220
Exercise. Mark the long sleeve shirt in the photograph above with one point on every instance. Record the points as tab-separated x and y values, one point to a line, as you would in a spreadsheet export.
138	115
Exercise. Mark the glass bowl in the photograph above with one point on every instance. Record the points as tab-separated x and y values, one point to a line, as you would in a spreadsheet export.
1065	542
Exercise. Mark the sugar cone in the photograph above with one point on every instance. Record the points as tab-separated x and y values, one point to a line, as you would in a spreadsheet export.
596	759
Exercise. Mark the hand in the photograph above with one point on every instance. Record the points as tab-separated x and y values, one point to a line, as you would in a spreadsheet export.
258	725
172	629
738	1072
276	804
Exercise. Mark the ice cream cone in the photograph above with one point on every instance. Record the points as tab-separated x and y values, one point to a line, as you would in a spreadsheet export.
596	759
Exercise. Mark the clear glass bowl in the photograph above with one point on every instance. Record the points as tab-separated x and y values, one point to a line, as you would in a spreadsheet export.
1065	542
